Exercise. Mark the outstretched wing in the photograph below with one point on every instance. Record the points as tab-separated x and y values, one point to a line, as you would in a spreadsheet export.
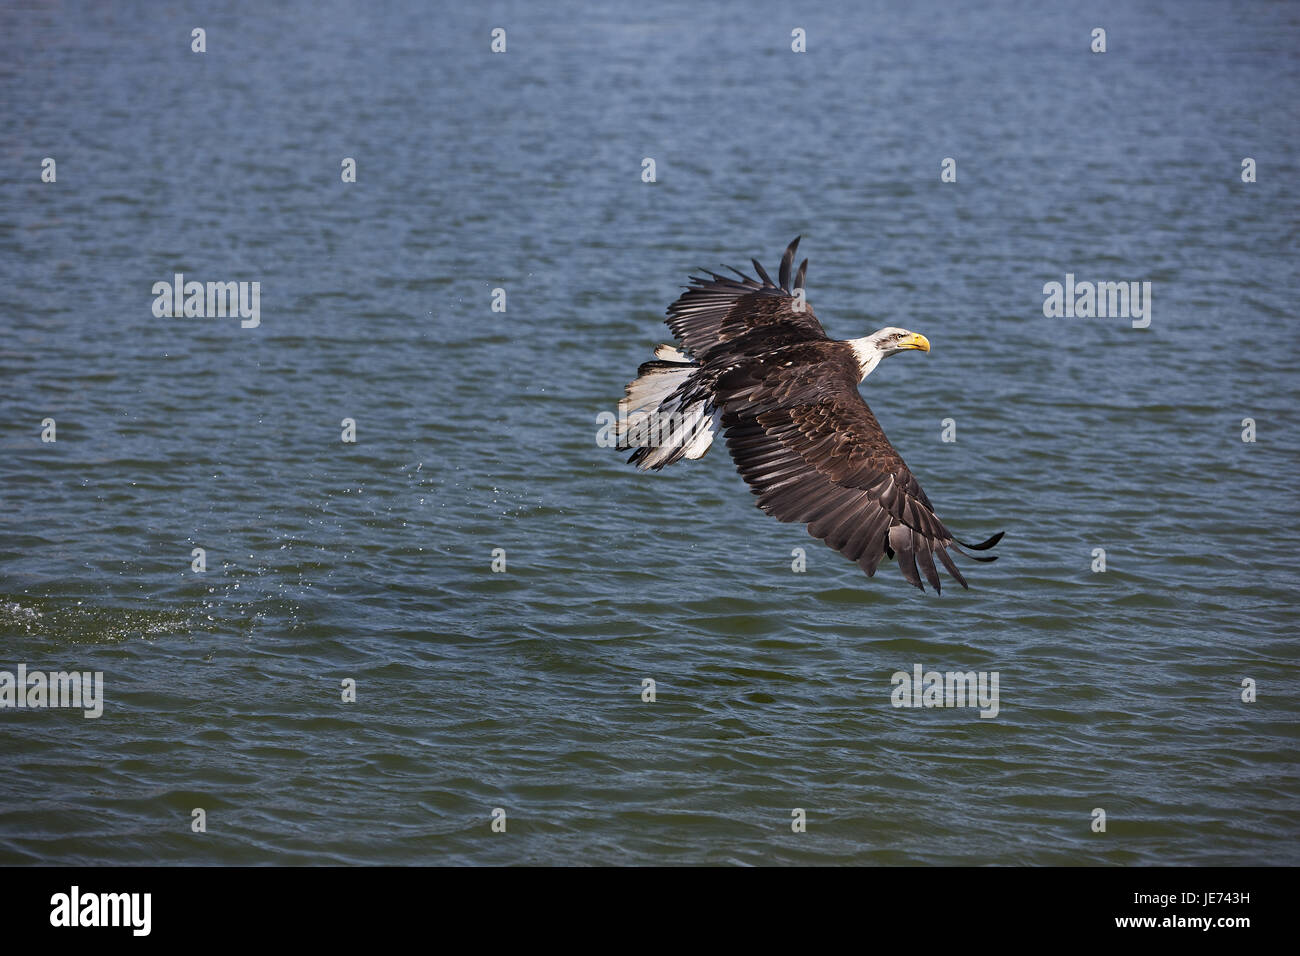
717	309
811	450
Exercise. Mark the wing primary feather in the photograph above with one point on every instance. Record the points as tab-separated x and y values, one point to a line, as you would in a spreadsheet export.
975	557
903	543
927	566
743	278
762	273
801	274
984	545
952	568
787	260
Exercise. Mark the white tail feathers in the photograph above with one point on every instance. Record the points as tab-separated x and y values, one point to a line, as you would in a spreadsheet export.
670	354
657	420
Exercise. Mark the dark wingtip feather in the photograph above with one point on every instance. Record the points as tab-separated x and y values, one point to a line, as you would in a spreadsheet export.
926	563
976	557
787	260
952	568
984	545
902	540
799	277
743	278
762	273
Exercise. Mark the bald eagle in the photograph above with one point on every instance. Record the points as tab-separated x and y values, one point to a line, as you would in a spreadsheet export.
755	362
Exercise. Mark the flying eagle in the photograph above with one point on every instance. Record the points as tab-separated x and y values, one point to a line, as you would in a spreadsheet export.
755	362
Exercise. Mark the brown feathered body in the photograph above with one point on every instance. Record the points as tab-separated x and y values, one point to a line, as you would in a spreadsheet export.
756	363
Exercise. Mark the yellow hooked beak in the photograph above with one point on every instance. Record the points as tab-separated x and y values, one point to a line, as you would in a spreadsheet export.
914	341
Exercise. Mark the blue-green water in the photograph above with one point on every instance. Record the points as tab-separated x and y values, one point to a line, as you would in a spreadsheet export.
476	430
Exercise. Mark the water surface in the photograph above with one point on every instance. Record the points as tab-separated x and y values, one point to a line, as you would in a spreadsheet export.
477	430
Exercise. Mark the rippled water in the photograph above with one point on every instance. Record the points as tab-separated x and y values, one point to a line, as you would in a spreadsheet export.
476	430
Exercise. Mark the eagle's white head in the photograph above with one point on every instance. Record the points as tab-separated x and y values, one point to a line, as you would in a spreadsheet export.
871	349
